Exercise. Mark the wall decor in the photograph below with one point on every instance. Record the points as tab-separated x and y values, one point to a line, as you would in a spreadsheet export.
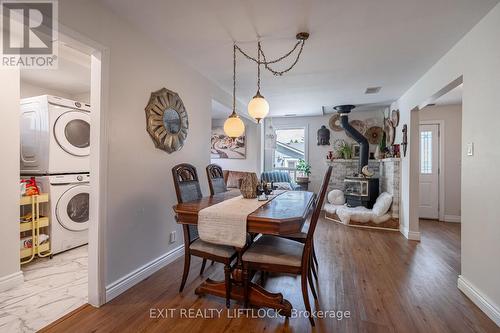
404	143
334	123
166	120
323	136
390	131
373	134
223	146
395	118
359	125
355	150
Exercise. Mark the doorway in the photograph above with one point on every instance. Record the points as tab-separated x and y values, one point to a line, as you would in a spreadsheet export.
440	157
68	273
429	171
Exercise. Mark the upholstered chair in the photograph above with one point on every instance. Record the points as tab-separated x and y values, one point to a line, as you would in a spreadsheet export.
187	188
282	255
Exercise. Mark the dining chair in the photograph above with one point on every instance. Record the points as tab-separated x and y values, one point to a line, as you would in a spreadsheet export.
216	181
282	255
187	188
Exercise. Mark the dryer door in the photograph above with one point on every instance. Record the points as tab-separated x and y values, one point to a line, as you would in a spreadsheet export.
72	209
72	132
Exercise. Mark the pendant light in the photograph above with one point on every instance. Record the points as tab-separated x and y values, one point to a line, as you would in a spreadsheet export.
234	126
258	107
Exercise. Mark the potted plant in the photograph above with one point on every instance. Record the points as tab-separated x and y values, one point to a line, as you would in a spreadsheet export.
304	169
346	151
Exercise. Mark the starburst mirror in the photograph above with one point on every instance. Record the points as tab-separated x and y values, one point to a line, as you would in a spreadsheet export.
166	120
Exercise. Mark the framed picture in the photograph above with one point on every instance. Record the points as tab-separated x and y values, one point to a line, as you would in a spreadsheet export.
355	150
223	146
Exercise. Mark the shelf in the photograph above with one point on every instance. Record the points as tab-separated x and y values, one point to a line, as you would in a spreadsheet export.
26	226
41	248
27	199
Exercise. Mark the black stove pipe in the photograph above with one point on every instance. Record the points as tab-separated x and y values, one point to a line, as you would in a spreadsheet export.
344	111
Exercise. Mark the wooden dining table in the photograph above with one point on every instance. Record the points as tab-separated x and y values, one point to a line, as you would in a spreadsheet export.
283	215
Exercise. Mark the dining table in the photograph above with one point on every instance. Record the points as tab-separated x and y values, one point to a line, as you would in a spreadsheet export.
282	215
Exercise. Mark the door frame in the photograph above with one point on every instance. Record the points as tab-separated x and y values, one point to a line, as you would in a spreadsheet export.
99	97
441	169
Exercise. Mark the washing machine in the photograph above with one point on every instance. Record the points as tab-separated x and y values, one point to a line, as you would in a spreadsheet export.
69	209
55	136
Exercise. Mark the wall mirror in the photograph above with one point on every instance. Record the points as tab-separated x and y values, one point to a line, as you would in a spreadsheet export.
166	120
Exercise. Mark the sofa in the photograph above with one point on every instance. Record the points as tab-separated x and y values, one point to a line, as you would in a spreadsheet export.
281	179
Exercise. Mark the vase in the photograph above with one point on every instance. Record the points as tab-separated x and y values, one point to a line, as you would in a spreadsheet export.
248	187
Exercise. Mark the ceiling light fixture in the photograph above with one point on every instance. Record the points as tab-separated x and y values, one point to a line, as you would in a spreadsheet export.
258	107
234	126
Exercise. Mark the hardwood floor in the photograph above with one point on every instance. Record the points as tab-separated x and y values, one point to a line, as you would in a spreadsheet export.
388	284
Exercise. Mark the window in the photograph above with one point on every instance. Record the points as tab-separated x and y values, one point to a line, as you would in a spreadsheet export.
290	148
426	152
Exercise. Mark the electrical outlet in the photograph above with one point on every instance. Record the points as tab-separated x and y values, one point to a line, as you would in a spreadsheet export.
173	237
470	149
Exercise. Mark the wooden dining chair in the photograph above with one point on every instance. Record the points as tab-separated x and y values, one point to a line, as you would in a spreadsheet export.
216	181
282	255
187	188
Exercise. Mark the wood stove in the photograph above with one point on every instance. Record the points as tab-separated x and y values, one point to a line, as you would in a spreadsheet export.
361	191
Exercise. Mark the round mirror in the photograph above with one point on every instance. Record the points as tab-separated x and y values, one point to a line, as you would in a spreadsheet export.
172	121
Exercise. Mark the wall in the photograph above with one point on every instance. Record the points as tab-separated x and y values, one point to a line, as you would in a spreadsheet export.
30	90
252	160
141	192
476	57
451	115
316	154
10	273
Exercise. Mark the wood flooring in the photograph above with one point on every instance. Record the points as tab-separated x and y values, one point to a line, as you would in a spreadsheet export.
387	283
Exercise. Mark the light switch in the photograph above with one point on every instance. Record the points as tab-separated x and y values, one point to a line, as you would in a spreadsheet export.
470	149
172	237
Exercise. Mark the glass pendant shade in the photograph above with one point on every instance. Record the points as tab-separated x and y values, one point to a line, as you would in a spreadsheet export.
234	126
258	107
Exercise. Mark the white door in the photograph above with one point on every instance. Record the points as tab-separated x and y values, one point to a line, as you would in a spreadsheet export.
429	171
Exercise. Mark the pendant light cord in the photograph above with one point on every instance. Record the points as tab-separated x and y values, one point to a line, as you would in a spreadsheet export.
266	63
234	81
259	50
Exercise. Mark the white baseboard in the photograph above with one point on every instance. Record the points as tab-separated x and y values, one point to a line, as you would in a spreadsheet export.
490	309
411	235
128	281
10	281
453	218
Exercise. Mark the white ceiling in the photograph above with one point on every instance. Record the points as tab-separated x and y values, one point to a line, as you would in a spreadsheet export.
72	75
354	44
220	111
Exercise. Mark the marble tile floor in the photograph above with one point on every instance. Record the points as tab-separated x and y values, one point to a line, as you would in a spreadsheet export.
51	289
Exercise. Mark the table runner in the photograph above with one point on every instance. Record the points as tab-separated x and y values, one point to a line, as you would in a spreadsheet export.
225	223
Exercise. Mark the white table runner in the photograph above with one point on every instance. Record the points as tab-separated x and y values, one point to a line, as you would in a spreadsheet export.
225	223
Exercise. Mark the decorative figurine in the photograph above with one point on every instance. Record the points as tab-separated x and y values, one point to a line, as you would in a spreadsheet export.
404	143
323	136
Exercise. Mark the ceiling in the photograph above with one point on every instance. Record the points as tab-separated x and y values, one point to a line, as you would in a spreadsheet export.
72	75
354	44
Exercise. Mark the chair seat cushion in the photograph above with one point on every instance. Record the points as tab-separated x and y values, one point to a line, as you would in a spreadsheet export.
275	250
214	249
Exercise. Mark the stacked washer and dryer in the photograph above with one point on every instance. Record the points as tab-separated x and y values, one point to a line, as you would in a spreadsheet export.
55	148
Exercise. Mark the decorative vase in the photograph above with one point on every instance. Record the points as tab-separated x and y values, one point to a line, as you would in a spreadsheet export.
249	185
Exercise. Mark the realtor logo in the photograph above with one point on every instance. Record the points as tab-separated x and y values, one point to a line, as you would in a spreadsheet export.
29	29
